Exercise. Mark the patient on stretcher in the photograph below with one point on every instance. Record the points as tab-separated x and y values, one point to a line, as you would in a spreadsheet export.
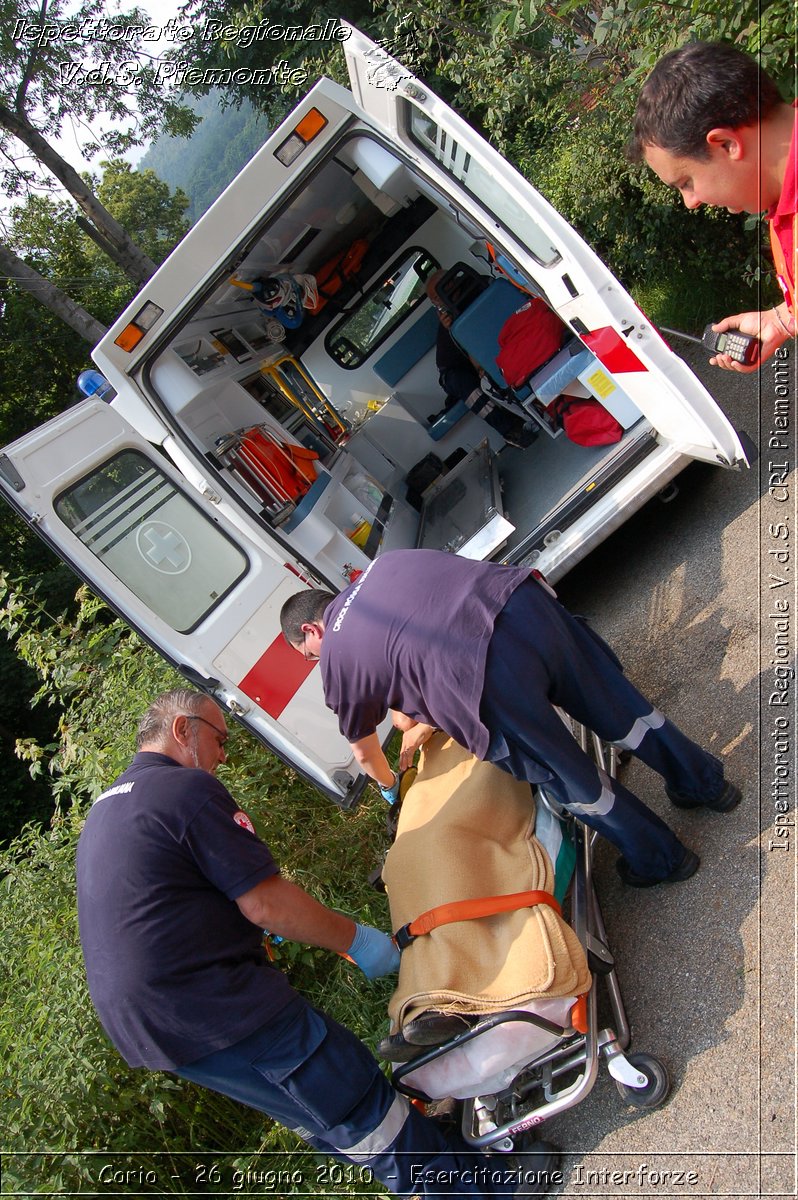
469	831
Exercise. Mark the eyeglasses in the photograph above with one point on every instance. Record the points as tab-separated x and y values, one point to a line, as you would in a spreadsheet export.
307	657
220	735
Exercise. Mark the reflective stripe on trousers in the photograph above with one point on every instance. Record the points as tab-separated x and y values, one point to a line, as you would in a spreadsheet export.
539	656
315	1077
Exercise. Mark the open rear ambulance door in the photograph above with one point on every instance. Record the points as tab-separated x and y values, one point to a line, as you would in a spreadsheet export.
517	220
200	591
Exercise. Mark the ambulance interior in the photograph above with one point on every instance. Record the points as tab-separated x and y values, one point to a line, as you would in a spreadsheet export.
334	431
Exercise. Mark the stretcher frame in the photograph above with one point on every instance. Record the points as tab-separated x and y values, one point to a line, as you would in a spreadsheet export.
563	1076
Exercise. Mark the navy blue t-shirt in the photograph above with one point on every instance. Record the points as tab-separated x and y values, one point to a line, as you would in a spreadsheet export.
174	968
412	633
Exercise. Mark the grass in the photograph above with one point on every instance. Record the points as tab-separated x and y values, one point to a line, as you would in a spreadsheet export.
74	1117
682	301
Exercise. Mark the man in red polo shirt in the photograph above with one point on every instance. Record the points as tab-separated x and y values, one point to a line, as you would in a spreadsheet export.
712	124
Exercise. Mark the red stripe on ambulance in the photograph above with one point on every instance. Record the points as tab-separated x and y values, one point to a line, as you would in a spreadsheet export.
276	677
613	351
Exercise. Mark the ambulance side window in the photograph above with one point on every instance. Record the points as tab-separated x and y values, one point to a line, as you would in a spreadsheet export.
401	289
155	540
458	162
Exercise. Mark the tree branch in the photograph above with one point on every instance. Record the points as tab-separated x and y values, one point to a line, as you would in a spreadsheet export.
27	74
18	272
134	262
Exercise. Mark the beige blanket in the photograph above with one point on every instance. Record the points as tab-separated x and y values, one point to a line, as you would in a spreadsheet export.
466	831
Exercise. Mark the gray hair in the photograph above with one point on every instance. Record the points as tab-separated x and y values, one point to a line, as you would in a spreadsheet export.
156	723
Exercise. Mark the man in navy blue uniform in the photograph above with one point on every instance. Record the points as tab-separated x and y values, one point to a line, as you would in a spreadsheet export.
486	652
174	891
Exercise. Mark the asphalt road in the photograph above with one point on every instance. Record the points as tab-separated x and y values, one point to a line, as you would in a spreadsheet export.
685	594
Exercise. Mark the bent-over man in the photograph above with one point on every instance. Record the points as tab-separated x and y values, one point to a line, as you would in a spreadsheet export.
485	652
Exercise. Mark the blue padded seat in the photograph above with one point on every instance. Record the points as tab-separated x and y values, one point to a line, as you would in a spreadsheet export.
409	349
477	329
447	421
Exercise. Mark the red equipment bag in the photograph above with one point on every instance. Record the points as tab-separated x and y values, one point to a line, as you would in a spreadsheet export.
586	422
528	338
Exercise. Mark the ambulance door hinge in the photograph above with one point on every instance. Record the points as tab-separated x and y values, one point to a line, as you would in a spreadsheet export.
10	473
207	491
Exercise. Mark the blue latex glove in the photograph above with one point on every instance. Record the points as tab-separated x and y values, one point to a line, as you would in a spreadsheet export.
390	794
374	952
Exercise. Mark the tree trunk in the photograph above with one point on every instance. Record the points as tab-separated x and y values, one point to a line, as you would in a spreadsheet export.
84	324
133	261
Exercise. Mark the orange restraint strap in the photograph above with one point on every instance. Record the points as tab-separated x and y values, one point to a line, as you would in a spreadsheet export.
467	910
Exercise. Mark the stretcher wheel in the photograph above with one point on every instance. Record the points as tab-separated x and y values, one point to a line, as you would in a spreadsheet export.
656	1090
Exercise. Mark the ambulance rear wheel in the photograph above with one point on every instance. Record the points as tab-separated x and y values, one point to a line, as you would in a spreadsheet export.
655	1091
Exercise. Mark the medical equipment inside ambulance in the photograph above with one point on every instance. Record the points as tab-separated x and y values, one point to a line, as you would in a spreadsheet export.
272	407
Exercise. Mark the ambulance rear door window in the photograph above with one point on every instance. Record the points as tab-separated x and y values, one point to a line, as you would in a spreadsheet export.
478	181
156	540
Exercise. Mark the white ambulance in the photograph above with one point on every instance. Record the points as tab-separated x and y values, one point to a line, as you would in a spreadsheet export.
243	455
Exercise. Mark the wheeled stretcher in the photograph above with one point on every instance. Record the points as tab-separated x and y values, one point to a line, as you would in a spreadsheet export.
528	1046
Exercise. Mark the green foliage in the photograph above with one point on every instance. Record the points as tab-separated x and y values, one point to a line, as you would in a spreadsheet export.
40	357
555	88
45	233
64	1089
47	79
85	661
153	216
22	799
238	50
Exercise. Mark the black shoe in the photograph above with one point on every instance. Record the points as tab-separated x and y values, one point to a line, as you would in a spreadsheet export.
728	799
687	867
433	1028
394	1048
539	1168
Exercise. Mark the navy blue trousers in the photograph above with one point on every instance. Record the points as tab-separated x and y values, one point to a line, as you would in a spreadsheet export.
540	655
315	1077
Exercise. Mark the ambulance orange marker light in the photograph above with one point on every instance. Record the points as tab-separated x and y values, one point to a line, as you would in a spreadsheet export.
129	338
311	125
308	128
